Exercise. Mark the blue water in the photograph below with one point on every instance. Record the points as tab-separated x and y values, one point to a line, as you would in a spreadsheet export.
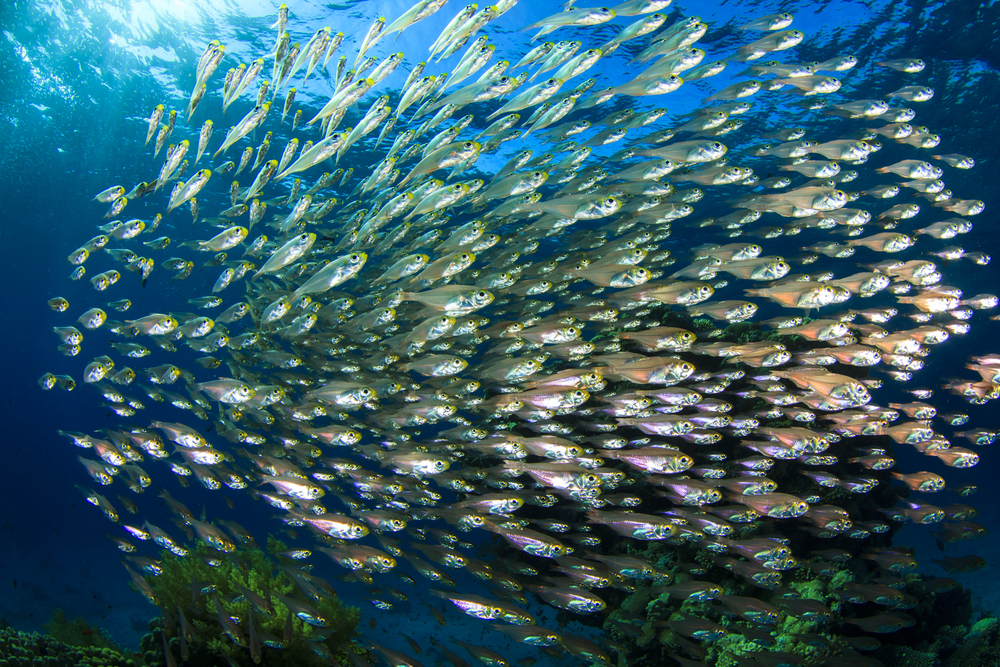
77	83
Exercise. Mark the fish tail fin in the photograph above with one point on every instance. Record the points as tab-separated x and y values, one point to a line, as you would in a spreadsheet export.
517	466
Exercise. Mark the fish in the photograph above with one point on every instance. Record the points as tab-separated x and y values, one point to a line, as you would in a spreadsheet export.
286	254
249	122
418	12
883	623
522	344
961	564
436	613
573	17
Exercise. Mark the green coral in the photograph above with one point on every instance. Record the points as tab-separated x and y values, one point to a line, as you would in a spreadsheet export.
893	654
21	649
77	632
841	579
811	589
255	570
981	646
730	649
744	332
636	602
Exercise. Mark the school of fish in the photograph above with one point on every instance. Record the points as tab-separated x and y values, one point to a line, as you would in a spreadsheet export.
405	356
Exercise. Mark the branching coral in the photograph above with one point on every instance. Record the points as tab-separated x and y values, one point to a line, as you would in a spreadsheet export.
189	584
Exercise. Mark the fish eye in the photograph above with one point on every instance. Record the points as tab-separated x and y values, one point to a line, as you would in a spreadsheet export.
482	294
717	146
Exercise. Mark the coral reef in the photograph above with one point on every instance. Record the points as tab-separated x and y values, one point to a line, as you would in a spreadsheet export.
21	649
195	584
979	646
78	632
653	626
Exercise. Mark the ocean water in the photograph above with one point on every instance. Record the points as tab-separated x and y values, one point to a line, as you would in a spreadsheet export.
79	82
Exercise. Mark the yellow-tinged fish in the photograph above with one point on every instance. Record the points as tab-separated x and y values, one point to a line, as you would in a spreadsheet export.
224	240
574	17
418	12
287	254
445	157
374	34
154	122
110	195
248	123
184	192
333	274
453	299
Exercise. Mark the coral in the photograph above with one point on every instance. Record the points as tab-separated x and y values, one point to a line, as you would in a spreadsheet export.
20	649
744	332
77	632
187	584
981	646
841	579
939	610
792	625
729	649
636	602
812	589
947	640
657	607
904	655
